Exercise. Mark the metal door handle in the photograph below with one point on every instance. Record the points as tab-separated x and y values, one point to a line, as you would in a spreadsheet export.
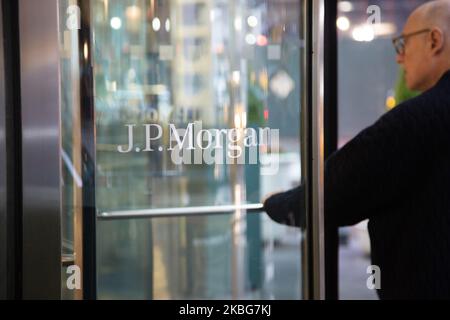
180	212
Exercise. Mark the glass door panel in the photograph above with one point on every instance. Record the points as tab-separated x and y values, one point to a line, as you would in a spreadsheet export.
197	118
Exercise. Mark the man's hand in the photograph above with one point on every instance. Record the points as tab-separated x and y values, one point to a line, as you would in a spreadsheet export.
270	195
286	208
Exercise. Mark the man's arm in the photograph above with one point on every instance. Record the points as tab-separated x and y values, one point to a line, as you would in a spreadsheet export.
380	165
377	168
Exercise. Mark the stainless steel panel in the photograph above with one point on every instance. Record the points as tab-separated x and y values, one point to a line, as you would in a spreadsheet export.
40	85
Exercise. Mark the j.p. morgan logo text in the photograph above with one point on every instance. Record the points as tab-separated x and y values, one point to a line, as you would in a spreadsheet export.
195	145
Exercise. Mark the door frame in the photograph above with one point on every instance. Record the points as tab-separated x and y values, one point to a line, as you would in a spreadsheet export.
11	157
331	140
316	158
41	149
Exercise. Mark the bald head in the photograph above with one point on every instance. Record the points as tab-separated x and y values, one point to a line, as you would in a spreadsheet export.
427	55
433	14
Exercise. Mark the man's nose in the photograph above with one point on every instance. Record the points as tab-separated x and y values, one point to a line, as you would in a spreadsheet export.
400	58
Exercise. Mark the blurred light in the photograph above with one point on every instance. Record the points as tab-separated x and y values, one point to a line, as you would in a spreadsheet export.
106	6
212	15
364	33
238	213
244	119
250	39
262	41
133	12
237	121
86	51
282	84
266	114
236	77
156	24
343	23
116	23
240	119
391	103
238	24
345	6
385	29
167	25
252	21
263	80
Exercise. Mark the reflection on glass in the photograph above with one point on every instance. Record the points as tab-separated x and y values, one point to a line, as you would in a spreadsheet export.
71	145
228	65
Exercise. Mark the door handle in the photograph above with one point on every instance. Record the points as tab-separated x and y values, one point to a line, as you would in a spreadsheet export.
180	212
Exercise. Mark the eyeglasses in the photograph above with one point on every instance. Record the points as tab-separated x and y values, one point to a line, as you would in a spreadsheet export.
400	41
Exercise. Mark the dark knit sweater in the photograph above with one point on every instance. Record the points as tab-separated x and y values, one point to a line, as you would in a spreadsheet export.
395	173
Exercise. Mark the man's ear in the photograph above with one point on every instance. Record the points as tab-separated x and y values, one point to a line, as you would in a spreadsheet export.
437	39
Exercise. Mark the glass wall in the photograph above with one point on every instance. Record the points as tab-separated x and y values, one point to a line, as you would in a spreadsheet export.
197	105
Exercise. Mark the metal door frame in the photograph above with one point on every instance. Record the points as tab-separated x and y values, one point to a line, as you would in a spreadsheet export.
10	168
41	145
317	156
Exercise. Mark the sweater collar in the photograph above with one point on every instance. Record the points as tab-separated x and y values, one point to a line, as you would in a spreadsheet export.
445	77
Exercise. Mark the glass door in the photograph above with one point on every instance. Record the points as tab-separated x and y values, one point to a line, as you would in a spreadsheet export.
188	114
